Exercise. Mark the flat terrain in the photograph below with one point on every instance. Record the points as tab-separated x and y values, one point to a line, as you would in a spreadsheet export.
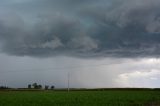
80	98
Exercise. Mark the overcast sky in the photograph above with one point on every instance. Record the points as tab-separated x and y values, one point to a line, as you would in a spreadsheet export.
101	43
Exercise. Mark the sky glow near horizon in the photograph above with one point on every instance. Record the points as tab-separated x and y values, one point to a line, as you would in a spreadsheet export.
105	43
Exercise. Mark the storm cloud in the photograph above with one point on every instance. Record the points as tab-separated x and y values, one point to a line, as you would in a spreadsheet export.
91	28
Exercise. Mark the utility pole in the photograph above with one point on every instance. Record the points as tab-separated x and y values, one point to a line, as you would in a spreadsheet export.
68	82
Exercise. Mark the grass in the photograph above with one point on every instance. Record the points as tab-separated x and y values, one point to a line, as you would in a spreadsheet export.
80	98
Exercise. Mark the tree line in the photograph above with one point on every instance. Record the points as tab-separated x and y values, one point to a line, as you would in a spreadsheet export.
4	87
32	86
39	86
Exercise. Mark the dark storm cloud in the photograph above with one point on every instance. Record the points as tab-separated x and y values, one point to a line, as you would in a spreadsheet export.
41	28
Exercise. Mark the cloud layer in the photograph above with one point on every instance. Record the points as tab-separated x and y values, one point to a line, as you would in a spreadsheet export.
139	78
123	28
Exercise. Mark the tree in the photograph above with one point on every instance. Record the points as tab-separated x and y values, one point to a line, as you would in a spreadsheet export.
35	86
52	87
29	86
39	86
46	87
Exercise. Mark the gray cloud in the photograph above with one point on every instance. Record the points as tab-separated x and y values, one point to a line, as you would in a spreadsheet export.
83	28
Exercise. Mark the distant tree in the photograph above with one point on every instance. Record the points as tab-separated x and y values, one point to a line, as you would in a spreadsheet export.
52	87
35	86
46	87
39	86
29	86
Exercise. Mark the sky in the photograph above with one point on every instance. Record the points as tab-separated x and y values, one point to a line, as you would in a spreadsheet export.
104	43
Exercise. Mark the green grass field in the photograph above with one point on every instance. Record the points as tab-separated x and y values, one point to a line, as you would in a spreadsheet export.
80	98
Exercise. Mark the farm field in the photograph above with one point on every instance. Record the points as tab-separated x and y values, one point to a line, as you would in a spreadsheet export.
80	98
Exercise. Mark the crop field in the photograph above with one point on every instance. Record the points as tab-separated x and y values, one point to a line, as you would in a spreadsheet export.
80	98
